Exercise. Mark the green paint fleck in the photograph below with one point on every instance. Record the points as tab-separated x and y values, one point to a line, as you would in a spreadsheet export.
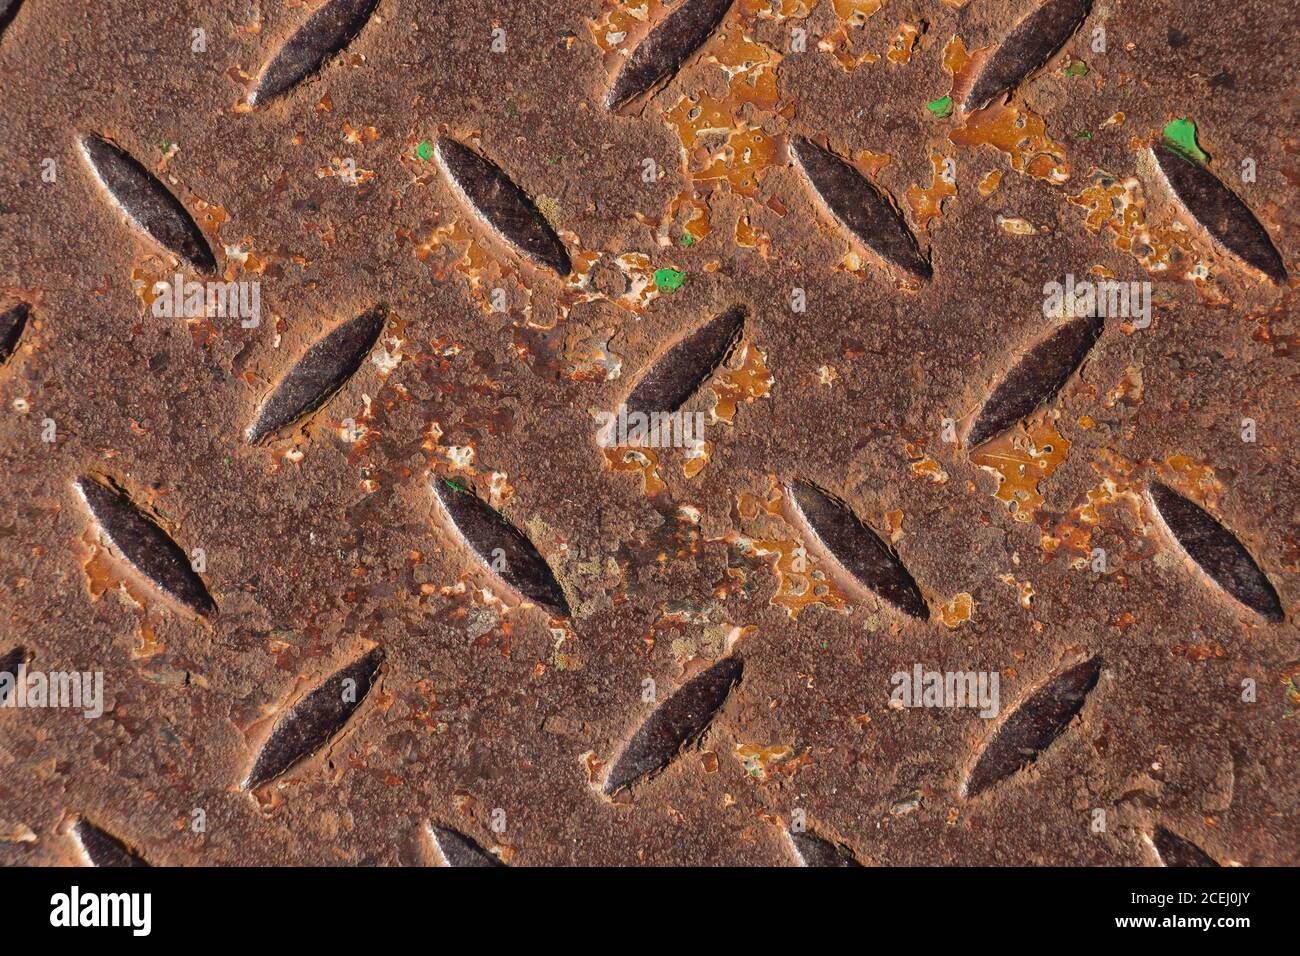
452	484
669	279
424	150
1077	68
226	460
941	107
1180	136
688	240
1083	134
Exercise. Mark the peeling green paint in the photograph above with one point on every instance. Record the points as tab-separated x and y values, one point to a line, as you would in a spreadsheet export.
669	279
1077	68
1180	136
941	107
424	150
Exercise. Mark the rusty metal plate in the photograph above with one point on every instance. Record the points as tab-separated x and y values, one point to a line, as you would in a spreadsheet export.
773	432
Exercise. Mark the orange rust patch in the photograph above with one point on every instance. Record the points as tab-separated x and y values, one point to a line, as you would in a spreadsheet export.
722	138
800	581
621	26
594	766
364	134
745	383
1195	479
145	277
903	43
870	164
894	526
749	237
1072	534
1196	653
957	611
697	456
749	380
1021	135
776	9
927	203
1021	458
637	460
989	184
796	588
925	466
210	218
756	759
106	573
1290	681
1120	208
351	174
150	645
850	14
461	460
1017	132
1025	589
856	12
453	248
